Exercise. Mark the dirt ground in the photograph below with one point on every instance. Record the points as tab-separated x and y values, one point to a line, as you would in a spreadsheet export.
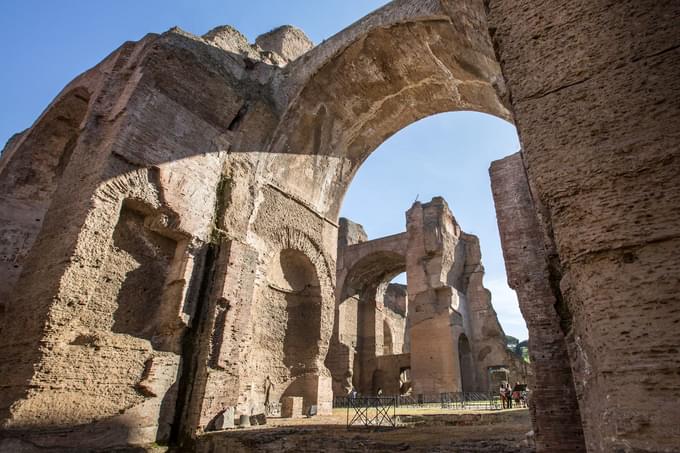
417	431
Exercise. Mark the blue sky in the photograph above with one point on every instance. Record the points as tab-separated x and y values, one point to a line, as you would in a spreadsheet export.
45	44
447	155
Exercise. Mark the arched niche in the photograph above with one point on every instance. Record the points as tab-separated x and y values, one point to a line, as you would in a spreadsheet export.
467	364
288	330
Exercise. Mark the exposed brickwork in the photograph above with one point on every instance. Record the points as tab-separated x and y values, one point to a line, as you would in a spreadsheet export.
207	147
554	407
596	99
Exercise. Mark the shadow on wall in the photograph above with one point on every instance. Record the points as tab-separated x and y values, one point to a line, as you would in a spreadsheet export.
142	258
31	167
467	364
293	276
388	347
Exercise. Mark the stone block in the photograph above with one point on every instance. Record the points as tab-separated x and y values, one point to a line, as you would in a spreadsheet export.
291	407
225	420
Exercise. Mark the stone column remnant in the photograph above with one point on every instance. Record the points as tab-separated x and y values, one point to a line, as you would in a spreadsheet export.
554	407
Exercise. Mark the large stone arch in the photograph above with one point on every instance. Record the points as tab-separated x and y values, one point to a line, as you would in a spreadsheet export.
358	329
588	211
398	65
406	61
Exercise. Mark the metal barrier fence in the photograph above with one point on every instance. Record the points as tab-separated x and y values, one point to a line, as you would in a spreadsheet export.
471	401
371	412
451	401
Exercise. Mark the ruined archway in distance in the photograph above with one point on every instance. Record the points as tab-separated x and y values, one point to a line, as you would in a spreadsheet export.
358	328
444	155
397	165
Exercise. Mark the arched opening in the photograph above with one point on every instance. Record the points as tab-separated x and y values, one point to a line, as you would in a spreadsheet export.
364	311
384	73
288	334
467	365
353	95
457	149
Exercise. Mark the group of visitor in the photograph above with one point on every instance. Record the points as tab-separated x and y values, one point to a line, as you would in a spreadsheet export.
516	394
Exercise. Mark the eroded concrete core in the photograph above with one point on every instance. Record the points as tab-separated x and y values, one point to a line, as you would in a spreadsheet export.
439	334
169	224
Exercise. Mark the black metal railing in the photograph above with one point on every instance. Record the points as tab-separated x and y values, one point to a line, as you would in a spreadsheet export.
371	412
451	401
471	401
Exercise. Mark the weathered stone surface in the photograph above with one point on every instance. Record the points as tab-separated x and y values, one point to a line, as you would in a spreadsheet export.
449	304
554	407
291	406
287	42
203	177
597	99
444	316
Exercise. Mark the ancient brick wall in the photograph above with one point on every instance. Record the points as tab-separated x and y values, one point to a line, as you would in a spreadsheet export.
595	93
218	156
124	269
395	303
554	406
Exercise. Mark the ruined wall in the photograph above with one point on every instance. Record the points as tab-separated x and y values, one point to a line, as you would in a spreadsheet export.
485	334
232	153
436	311
30	169
121	287
596	97
395	304
448	307
388	371
554	408
363	271
447	301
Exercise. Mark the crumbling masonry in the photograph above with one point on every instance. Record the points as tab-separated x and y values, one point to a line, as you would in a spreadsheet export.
168	219
440	332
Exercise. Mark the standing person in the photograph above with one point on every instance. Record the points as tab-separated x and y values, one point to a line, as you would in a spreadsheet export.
268	386
516	393
508	395
504	399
